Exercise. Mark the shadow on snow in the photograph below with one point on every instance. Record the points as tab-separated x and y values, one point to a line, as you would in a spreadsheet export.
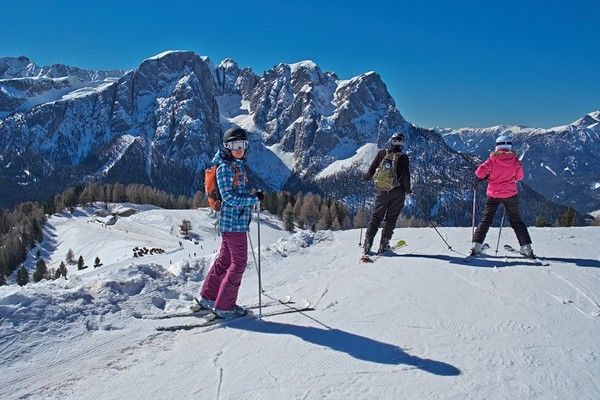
491	261
356	346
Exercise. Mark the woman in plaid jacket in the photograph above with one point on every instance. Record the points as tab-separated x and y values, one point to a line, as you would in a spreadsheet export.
220	290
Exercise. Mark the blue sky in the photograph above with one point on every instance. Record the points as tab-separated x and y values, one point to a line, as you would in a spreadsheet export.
446	63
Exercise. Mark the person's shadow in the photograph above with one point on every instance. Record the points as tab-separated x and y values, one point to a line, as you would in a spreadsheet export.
487	262
356	346
491	261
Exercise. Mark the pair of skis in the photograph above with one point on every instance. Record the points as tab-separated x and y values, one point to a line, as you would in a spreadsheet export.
535	259
206	318
510	249
366	258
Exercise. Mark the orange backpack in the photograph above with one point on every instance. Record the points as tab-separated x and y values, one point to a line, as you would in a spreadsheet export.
211	188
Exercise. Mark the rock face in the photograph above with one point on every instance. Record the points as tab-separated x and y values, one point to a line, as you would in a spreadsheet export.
161	123
562	163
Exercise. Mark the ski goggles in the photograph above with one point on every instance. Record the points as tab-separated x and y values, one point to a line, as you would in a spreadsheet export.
503	143
236	145
397	142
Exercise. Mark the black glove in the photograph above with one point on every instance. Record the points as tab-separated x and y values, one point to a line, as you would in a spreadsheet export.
260	195
476	182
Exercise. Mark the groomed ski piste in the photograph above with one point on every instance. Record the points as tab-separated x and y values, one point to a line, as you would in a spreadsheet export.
417	324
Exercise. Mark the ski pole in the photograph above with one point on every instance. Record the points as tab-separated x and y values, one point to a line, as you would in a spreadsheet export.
259	272
363	220
438	232
257	264
500	231
474	206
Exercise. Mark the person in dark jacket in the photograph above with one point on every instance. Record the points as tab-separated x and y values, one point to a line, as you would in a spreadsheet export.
391	175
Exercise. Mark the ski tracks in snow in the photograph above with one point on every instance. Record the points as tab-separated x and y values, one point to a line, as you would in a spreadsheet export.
594	315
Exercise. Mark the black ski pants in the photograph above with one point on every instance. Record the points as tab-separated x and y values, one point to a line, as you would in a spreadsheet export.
388	206
511	204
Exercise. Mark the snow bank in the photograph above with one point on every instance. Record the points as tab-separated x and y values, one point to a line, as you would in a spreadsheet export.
287	246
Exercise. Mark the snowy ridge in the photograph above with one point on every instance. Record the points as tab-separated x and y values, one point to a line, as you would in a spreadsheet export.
120	149
498	327
360	161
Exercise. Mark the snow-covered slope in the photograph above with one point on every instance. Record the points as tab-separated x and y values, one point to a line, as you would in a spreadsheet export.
418	325
562	163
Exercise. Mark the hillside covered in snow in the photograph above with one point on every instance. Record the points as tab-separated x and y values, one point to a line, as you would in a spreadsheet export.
420	324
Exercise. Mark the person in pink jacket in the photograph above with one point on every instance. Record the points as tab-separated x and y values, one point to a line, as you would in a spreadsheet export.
503	170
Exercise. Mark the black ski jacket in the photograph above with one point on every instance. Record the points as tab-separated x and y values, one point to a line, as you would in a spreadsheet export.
402	171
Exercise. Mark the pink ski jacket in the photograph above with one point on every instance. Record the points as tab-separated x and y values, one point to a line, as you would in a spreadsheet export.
503	170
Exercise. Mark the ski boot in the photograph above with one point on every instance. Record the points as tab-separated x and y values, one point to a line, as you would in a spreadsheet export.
526	251
236	311
384	246
202	304
475	249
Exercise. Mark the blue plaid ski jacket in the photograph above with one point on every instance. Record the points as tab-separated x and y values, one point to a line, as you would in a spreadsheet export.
237	202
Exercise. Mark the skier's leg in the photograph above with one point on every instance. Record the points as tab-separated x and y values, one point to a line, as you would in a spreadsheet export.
228	291
514	217
217	271
395	206
491	205
381	200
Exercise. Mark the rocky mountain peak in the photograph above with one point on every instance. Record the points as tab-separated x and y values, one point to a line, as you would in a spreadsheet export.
17	67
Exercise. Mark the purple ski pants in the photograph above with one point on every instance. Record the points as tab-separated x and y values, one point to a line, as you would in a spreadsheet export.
225	276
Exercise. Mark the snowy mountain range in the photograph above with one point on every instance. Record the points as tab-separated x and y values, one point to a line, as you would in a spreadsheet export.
562	163
161	123
419	324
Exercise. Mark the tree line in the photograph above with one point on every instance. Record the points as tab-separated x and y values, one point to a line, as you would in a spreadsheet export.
310	211
22	226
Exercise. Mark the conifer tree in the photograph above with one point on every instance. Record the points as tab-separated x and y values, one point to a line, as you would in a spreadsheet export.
80	263
70	257
41	270
360	220
568	217
541	222
97	262
324	221
282	201
185	228
198	199
63	270
310	211
288	218
298	211
347	222
2	279
22	276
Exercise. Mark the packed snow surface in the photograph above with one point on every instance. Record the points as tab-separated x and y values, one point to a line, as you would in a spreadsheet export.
418	325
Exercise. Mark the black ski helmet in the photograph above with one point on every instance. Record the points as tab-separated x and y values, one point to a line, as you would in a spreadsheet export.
398	136
235	133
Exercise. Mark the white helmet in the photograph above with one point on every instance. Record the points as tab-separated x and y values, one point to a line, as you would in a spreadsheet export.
504	142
